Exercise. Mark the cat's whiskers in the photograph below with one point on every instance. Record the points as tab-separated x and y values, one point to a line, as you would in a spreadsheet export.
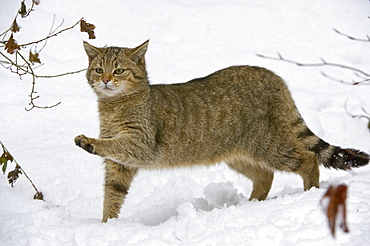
96	89
123	90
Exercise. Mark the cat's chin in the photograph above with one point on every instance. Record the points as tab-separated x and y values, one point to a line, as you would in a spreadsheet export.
107	92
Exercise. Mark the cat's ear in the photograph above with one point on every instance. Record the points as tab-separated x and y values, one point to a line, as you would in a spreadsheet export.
138	53
91	51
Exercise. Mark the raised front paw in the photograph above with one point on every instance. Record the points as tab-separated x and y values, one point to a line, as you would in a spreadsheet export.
85	143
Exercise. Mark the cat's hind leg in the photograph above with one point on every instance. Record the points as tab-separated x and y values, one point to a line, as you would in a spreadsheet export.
299	161
309	170
118	179
260	176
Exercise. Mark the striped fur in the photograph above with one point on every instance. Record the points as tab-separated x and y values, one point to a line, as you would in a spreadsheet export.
332	156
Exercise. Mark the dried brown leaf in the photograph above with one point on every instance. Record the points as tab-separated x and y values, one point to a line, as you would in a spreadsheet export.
11	45
335	206
23	10
87	27
34	58
37	2
38	196
14	175
15	27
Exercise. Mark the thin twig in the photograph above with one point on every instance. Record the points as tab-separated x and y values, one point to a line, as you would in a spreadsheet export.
359	115
51	31
5	32
60	25
10	62
353	38
32	97
29	70
323	63
59	75
53	35
360	82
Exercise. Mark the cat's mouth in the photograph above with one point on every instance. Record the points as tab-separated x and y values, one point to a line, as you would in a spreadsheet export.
107	89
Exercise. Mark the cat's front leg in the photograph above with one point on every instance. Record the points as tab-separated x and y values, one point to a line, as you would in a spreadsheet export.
118	179
127	150
88	144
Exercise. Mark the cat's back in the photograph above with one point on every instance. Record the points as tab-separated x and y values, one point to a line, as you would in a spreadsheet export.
236	95
237	82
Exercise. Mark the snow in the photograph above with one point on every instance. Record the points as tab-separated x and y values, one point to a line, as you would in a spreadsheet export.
200	206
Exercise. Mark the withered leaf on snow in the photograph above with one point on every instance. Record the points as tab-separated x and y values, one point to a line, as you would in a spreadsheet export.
37	2
14	175
87	27
11	45
23	10
34	57
334	201
38	196
15	27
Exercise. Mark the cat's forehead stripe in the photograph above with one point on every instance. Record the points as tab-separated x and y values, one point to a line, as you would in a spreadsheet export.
112	56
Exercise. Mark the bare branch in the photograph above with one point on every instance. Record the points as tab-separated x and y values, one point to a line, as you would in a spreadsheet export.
353	38
25	69
33	92
6	31
60	75
52	35
366	114
323	63
360	82
59	26
366	75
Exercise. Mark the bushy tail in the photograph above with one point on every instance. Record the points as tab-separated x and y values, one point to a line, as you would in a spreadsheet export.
335	157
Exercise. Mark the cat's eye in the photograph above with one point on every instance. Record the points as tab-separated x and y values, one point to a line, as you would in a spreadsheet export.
99	70
119	71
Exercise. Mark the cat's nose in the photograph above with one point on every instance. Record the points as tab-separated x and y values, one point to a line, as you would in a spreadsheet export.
105	81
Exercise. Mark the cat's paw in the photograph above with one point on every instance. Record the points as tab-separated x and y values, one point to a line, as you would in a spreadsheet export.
109	215
85	143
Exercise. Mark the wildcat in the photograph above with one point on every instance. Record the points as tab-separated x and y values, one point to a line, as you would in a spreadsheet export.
242	115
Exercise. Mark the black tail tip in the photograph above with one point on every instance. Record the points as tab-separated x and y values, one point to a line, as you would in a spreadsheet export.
355	158
346	159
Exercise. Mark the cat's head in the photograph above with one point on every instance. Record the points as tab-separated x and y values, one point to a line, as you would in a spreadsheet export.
115	71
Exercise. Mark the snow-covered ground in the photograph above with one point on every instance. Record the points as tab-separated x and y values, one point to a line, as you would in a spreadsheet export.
201	206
